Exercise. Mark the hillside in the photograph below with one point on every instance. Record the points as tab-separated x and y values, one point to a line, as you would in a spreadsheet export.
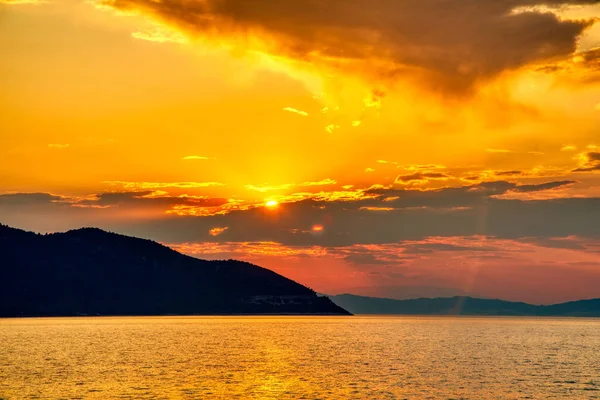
461	305
92	272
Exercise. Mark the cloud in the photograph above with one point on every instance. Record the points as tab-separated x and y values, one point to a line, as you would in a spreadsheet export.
296	111
498	151
359	217
160	35
323	182
149	199
589	162
197	158
58	145
508	173
264	189
420	167
364	258
217	231
376	215
568	148
448	45
542	186
331	128
162	185
373	208
17	2
29	198
583	67
421	177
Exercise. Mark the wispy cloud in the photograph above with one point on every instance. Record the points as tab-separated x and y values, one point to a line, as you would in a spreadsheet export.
490	150
58	145
568	148
160	36
198	158
422	167
17	2
296	111
162	185
268	188
331	127
373	208
323	182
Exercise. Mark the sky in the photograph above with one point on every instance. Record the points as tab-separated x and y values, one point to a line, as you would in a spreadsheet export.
392	148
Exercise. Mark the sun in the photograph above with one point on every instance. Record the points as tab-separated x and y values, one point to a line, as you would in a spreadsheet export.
271	204
317	228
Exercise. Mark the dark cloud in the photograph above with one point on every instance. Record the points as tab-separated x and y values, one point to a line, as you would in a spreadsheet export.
421	176
450	44
413	215
591	162
109	199
542	186
28	198
416	214
584	67
508	173
591	60
146	198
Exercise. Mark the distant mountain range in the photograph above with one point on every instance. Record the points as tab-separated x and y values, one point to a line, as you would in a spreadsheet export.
92	272
462	305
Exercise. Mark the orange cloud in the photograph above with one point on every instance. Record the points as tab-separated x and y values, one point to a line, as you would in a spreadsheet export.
451	48
217	231
160	35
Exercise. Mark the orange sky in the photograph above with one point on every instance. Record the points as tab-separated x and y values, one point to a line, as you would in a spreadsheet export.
406	147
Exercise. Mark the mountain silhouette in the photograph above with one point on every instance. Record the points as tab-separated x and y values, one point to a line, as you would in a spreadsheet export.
463	305
92	272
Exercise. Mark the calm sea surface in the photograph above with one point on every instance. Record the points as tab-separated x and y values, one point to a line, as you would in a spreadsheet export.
300	357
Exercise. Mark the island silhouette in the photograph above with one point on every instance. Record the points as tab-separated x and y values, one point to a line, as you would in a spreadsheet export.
92	272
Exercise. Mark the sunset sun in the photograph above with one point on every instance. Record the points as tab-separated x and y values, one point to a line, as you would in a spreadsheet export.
272	204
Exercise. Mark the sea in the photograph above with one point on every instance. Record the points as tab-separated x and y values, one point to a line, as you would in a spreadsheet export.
277	357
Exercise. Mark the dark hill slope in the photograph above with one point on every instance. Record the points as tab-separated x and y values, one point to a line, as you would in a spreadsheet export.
92	272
